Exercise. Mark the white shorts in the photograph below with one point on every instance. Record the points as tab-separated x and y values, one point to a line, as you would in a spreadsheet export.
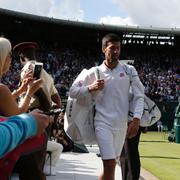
110	141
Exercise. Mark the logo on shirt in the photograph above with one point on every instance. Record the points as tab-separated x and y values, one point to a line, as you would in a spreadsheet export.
80	83
121	74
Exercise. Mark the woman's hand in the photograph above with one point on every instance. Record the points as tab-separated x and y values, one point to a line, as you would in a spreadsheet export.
24	84
33	86
27	78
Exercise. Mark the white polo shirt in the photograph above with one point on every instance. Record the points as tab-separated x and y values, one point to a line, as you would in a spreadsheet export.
112	102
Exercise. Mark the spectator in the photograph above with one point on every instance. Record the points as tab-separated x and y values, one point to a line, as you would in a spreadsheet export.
8	105
43	100
16	129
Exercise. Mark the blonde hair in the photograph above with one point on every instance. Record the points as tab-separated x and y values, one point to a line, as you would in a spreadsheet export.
5	48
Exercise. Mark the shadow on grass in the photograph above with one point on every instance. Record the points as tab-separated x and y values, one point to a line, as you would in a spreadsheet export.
163	141
159	157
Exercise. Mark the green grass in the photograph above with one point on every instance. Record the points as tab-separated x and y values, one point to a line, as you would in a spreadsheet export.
160	157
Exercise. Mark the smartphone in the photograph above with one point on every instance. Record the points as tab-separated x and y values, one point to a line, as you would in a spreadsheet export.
37	70
54	111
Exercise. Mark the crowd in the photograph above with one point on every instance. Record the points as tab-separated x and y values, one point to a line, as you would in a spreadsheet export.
160	75
160	78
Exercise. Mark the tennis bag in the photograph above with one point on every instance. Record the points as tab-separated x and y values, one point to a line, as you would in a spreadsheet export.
151	113
79	116
30	145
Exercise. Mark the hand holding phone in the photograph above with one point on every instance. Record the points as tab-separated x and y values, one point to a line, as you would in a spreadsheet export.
37	70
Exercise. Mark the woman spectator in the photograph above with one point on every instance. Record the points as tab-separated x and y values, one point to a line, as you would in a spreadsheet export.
8	104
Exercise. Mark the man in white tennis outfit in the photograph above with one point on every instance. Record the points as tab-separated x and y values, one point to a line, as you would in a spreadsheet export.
111	95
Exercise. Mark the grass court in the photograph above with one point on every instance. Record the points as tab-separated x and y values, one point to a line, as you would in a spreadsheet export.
159	156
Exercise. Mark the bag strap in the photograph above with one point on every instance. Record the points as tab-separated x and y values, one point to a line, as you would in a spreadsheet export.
128	71
97	73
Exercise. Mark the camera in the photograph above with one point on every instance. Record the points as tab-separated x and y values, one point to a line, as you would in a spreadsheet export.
37	70
54	111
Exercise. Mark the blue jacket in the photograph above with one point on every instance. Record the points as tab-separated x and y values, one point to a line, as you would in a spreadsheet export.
15	130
